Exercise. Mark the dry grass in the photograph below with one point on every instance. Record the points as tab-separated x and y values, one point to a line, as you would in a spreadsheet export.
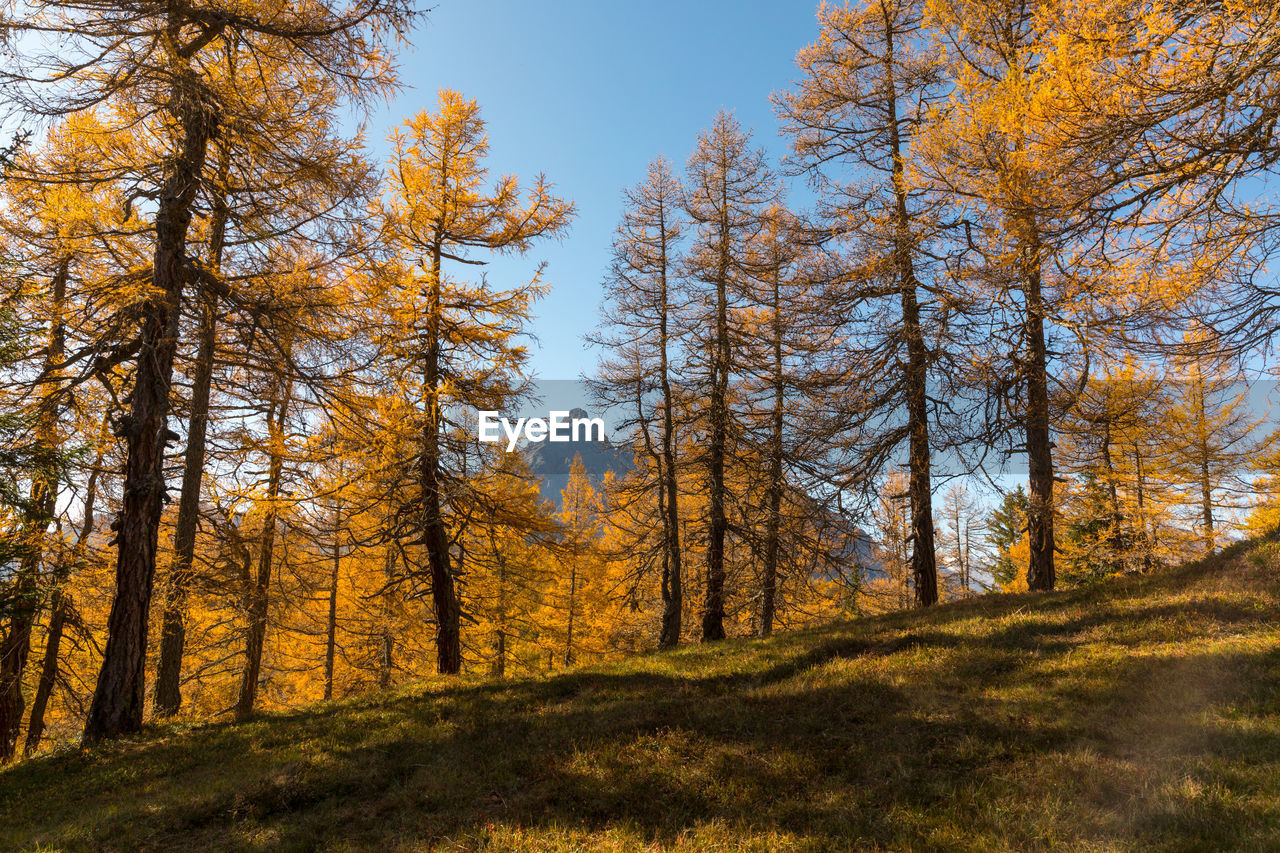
1142	714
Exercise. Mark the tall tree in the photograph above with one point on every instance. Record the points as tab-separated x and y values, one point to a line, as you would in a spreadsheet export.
462	338
790	363
260	204
1017	192
727	188
39	446
642	335
153	66
869	82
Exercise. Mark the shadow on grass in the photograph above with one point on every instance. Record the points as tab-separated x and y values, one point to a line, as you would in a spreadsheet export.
897	731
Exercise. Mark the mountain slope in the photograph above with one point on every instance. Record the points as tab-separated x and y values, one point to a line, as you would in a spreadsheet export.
1141	714
550	462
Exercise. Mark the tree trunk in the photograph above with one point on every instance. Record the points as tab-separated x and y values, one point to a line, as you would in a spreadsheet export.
120	692
173	634
259	589
773	523
1040	568
331	633
1206	483
388	641
499	667
48	671
1143	538
15	646
60	605
924	561
435	536
672	581
713	609
573	591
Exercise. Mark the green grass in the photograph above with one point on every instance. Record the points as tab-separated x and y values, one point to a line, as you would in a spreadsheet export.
1141	714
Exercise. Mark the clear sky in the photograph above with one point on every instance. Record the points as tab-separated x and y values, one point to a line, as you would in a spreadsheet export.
588	92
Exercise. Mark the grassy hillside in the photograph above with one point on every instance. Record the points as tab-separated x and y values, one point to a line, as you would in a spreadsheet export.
1142	714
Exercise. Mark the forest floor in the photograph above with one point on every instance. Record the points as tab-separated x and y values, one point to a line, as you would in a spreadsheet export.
1139	714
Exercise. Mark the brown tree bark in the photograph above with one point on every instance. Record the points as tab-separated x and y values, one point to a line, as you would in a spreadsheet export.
385	660
1144	538
773	522
717	439
672	575
168	689
573	591
924	565
1040	567
1205	476
120	692
260	587
435	534
331	626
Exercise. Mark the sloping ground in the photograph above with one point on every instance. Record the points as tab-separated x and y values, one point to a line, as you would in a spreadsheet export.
1143	714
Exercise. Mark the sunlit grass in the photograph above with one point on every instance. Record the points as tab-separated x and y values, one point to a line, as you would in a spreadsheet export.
1141	714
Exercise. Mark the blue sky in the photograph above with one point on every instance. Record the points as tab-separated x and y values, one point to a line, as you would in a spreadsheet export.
589	93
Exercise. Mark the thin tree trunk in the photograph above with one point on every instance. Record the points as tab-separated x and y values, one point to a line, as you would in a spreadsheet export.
672	580
60	605
331	634
924	561
25	603
1040	568
1206	483
499	666
713	610
1143	538
120	693
48	670
573	591
773	523
388	641
434	533
259	588
1206	505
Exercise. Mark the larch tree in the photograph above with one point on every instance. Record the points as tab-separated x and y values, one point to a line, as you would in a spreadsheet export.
59	275
1214	435
579	511
39	411
791	365
262	199
1179	99
1109	408
463	338
960	535
151	65
511	547
727	188
641	331
867	86
1024	244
